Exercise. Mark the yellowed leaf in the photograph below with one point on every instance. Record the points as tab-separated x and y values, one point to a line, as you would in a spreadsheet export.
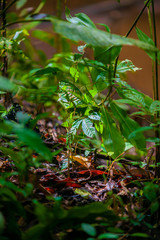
82	160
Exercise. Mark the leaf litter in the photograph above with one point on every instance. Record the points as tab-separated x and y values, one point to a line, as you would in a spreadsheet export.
85	182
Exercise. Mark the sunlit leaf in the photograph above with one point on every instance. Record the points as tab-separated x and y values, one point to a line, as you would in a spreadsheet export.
87	127
83	193
86	162
75	126
95	37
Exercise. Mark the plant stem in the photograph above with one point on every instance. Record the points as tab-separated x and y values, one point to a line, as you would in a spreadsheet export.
157	172
151	35
127	34
59	16
6	8
26	21
5	62
7	97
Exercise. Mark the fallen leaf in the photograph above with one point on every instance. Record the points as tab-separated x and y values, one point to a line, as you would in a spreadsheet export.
92	172
49	189
86	162
83	193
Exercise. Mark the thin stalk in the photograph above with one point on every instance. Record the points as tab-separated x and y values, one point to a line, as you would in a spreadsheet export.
156	57
26	21
59	16
127	34
7	97
157	172
5	62
6	8
151	35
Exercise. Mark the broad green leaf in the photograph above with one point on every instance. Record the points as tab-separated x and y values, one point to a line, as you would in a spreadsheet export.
43	36
134	97
7	85
31	139
75	126
89	229
107	55
151	191
112	138
20	3
140	129
95	37
140	235
128	126
108	236
125	66
81	19
94	116
87	127
14	187
143	37
154	107
13	154
74	73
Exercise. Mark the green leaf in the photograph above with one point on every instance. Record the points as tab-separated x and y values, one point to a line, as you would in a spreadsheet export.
2	222
87	127
14	155
81	19
20	3
112	138
75	126
108	235
106	55
82	192
143	37
125	66
89	229
95	37
94	116
142	235
128	126
74	73
140	129
43	36
150	191
31	139
40	6
154	107
6	85
154	207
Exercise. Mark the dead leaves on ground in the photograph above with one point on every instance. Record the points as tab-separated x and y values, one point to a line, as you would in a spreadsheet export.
85	181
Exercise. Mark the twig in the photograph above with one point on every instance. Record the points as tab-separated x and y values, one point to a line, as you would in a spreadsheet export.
6	8
26	21
127	34
157	172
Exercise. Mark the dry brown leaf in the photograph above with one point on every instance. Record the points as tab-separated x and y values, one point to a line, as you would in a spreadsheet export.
86	162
